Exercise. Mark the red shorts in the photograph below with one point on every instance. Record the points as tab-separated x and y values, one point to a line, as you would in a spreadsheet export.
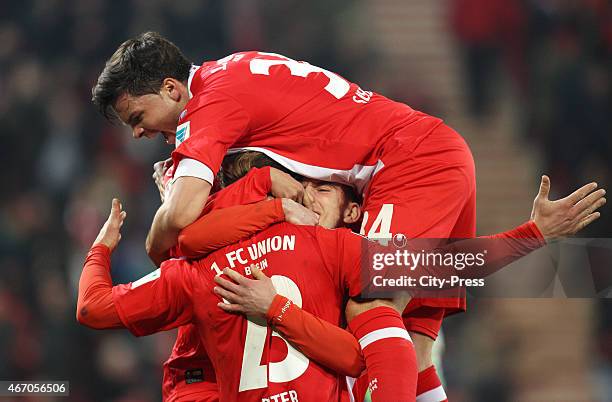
425	192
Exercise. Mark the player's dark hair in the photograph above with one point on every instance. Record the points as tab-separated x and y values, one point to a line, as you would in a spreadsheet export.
237	165
138	67
350	195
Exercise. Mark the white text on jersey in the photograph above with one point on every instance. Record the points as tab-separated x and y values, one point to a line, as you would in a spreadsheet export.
287	396
261	248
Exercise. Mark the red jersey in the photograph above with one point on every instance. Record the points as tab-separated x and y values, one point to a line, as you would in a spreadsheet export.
314	267
310	120
188	370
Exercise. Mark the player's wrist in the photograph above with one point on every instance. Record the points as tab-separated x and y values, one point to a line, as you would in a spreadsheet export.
533	227
101	248
277	308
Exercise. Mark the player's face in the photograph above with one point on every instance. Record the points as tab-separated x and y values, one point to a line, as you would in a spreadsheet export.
152	114
329	201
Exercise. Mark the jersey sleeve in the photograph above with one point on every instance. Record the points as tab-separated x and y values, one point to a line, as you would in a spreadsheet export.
95	307
350	246
322	341
341	252
223	227
214	121
158	301
251	188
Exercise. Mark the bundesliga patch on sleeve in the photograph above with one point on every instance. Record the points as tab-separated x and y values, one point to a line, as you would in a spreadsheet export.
182	133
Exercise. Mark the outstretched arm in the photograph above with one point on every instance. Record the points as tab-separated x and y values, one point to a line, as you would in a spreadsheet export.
95	307
549	220
103	306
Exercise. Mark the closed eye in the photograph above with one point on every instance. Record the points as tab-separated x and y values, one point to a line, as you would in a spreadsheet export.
135	119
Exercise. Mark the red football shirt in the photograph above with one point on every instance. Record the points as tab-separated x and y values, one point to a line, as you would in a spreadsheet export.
310	120
314	267
188	370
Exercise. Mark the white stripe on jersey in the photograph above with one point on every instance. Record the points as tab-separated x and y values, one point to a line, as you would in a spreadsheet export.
193	168
192	71
359	176
384	333
350	382
433	395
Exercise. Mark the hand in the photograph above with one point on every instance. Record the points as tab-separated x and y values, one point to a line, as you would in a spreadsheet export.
110	234
159	175
248	296
568	215
285	186
298	214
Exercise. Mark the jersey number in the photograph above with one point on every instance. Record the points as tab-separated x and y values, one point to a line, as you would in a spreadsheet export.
255	375
381	227
337	86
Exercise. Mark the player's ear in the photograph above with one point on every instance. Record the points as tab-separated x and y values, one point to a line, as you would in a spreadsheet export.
173	89
352	213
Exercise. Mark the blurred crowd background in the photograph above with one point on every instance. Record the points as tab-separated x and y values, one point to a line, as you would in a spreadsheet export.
527	82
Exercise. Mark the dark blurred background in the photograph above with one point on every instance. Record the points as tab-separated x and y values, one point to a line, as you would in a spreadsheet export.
527	82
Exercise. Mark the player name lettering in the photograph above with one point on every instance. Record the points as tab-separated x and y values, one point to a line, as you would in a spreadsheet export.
260	249
287	396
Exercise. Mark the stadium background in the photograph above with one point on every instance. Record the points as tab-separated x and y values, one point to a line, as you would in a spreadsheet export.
527	82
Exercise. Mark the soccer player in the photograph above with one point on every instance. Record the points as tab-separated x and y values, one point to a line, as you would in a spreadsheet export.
333	202
416	174
188	373
298	256
311	335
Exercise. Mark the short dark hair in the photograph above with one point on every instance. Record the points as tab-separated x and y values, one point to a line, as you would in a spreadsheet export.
237	165
350	194
138	67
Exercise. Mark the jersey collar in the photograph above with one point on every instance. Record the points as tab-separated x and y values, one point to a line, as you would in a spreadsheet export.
192	72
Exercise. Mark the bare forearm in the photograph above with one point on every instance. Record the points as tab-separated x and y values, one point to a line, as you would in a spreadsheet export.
161	238
182	207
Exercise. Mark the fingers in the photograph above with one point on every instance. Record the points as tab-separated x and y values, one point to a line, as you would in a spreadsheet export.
579	194
115	205
236	277
299	196
116	213
589	204
308	198
258	274
315	218
227	295
544	187
229	285
586	221
231	308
